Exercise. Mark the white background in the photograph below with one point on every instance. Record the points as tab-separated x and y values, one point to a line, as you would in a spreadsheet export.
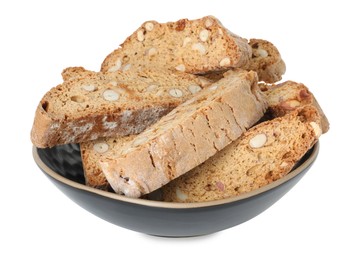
40	38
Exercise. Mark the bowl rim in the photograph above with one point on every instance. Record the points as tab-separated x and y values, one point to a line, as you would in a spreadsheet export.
175	205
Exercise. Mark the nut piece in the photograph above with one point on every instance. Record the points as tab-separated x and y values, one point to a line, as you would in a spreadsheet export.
151	51
293	103
151	88
208	23
283	164
139	141
194	88
204	82
204	35
149	26
304	94
214	87
110	95
126	67
188	102
160	92
258	141
180	195
290	104
225	62
116	67
180	67
140	35
89	88
180	25
199	47
175	92
317	129
260	53
113	83
100	147
220	185
186	41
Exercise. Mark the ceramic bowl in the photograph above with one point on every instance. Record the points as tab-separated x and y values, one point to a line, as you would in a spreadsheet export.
63	166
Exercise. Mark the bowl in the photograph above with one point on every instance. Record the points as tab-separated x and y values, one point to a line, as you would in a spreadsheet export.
63	166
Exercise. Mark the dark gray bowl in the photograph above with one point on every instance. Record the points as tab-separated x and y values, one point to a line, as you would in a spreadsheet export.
63	166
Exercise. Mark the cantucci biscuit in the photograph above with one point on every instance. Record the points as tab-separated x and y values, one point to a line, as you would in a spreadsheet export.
263	154
89	105
266	60
288	96
187	136
192	46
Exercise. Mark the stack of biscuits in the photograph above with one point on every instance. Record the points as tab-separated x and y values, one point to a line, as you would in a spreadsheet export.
186	108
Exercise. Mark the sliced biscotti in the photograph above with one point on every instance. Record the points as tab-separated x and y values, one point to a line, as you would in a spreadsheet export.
187	136
265	60
288	96
193	46
263	154
94	105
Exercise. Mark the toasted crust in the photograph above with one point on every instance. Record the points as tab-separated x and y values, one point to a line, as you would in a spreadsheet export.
71	73
263	154
187	136
41	132
186	45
